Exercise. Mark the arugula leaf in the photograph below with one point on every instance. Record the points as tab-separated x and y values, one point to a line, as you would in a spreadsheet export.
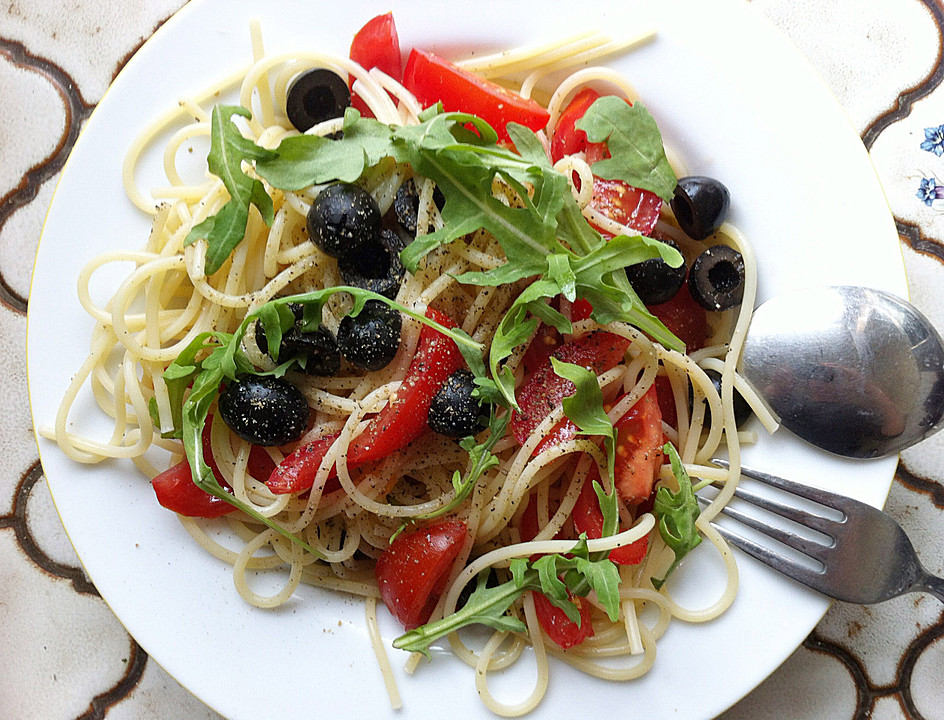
304	160
637	156
228	148
488	605
585	407
676	513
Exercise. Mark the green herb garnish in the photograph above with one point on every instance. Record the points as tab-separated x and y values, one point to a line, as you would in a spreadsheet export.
676	513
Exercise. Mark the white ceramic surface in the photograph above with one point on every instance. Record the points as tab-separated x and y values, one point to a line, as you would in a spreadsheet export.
762	168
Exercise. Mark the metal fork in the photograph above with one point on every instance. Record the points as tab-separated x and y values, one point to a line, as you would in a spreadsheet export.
861	557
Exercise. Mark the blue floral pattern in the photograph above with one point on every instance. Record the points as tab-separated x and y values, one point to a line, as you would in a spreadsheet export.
934	140
931	188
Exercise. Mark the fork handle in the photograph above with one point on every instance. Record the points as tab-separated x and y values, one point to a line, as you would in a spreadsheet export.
932	584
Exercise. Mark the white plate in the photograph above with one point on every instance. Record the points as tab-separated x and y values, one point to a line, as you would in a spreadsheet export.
738	103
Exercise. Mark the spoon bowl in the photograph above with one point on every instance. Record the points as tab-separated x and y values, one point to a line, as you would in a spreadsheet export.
855	371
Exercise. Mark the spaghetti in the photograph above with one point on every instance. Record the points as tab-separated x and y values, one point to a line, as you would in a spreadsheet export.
348	515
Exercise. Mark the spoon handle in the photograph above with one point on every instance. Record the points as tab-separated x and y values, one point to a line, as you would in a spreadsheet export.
932	584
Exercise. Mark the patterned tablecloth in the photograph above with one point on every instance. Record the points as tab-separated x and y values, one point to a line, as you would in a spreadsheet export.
64	655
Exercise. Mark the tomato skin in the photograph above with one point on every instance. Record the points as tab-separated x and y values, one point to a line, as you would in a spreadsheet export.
567	138
297	471
400	422
560	628
633	207
639	442
666	400
685	318
176	490
413	570
544	389
403	419
588	518
376	45
433	79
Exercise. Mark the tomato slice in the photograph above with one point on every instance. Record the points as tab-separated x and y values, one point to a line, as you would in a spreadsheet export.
633	207
588	518
376	45
404	418
544	389
433	79
413	570
176	490
297	472
398	424
685	318
560	628
639	443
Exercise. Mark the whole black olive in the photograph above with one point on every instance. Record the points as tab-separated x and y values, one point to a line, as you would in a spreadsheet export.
342	219
316	350
700	205
654	280
406	205
377	267
454	411
316	96
371	339
716	280
264	410
742	411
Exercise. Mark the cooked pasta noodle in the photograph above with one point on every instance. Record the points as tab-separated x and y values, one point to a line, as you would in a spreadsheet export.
168	300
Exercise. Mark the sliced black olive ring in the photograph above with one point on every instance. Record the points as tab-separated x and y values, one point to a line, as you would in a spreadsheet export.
316	96
716	279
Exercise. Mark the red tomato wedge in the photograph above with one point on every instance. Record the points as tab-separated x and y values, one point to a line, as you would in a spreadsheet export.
404	417
557	626
433	79
176	490
588	518
636	208
639	442
544	389
560	628
413	570
376	45
398	424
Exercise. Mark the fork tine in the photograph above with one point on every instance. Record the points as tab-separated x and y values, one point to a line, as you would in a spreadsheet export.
824	498
808	547
781	563
801	517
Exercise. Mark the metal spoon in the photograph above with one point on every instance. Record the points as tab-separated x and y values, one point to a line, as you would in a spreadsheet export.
855	371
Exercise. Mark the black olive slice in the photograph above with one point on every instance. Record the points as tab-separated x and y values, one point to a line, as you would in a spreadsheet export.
716	280
700	205
454	412
654	280
371	339
342	219
316	96
264	410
